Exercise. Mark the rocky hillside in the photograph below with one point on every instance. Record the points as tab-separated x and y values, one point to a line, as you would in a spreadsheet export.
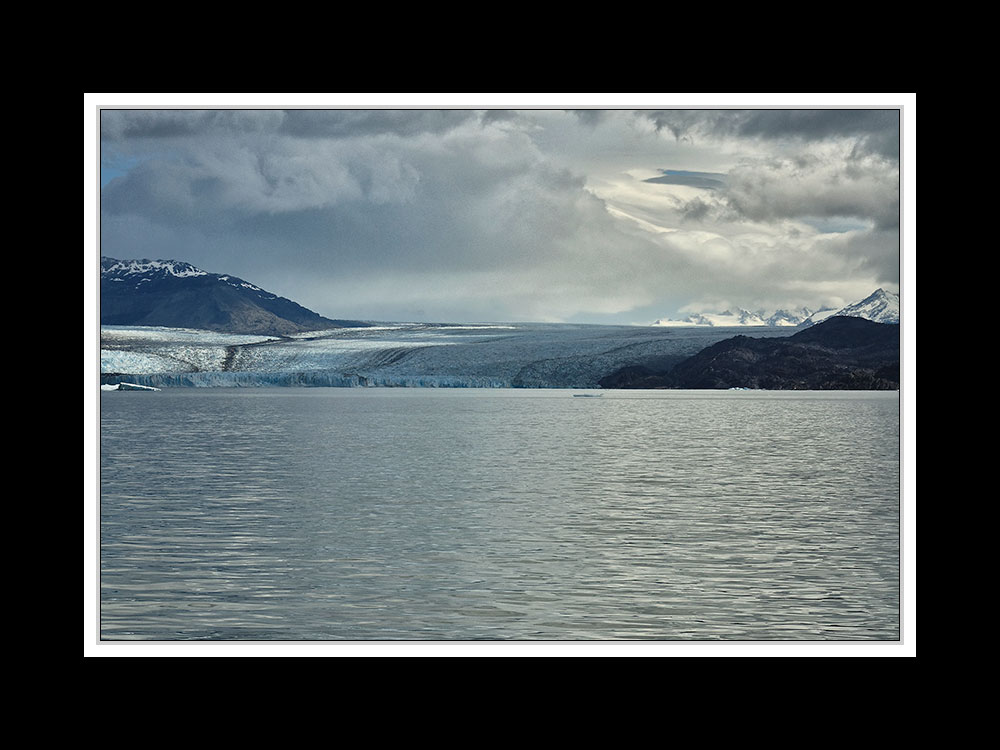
175	294
841	353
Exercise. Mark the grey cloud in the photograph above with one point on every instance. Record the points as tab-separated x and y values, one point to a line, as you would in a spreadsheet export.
590	117
876	253
137	124
814	123
124	125
156	189
875	130
780	188
697	210
204	180
339	123
479	201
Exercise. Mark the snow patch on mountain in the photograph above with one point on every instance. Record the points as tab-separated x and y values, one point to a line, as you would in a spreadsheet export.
119	270
143	271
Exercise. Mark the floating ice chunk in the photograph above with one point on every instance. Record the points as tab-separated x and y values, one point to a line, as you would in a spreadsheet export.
128	387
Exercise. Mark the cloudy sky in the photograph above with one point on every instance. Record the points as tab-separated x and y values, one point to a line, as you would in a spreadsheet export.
607	215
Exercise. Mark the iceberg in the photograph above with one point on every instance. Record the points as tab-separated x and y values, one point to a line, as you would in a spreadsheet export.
128	387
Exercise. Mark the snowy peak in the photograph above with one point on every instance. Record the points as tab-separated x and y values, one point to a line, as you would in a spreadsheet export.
788	317
880	306
121	270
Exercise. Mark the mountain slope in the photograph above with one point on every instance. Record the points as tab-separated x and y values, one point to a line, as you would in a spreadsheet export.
177	295
880	306
841	353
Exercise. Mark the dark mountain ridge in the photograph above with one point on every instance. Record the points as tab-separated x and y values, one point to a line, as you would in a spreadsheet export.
175	294
841	353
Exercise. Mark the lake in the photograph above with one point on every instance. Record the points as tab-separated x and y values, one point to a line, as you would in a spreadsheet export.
421	514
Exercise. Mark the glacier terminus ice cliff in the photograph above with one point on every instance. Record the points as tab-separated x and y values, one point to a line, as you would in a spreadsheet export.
402	354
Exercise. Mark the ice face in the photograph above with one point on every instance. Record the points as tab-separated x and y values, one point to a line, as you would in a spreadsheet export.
413	355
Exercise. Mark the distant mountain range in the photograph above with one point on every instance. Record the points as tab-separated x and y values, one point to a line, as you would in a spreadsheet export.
175	294
848	351
880	306
839	353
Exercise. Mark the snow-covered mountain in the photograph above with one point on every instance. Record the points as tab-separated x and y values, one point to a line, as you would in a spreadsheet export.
880	306
178	295
742	317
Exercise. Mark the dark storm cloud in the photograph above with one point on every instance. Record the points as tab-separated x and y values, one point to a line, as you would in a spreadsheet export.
324	123
591	117
123	125
874	130
117	125
242	164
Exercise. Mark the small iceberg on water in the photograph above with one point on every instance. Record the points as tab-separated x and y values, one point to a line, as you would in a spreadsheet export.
128	387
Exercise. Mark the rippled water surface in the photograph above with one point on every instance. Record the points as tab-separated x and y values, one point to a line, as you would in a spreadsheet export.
424	514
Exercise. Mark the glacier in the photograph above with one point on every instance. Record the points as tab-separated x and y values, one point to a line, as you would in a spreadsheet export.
558	355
